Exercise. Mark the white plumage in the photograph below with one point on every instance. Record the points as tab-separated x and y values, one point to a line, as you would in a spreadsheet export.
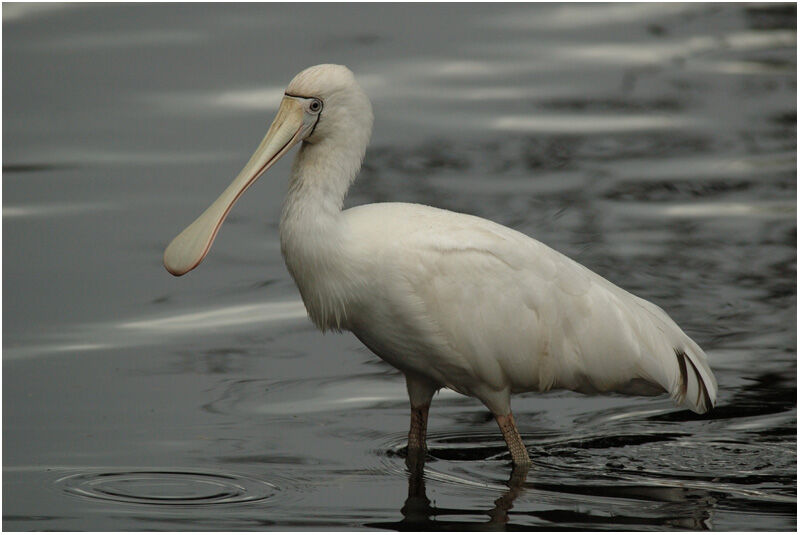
449	299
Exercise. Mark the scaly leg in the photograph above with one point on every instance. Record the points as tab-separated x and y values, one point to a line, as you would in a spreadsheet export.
519	455
419	427
420	393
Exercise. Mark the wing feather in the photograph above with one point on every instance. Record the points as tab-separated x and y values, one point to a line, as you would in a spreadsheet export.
496	307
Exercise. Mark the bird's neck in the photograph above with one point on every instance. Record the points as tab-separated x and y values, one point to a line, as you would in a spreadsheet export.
321	175
311	231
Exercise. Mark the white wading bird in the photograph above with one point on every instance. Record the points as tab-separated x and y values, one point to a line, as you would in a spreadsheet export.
449	299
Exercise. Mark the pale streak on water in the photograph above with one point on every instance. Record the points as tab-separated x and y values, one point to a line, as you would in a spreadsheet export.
655	143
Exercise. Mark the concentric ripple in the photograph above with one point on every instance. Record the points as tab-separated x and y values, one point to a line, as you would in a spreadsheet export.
168	487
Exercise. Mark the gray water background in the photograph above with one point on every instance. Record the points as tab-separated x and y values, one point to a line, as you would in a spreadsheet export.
655	144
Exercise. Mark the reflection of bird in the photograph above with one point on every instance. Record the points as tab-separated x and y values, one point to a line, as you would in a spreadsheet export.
451	300
420	515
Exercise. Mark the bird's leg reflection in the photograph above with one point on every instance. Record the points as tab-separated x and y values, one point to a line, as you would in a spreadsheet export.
417	510
417	507
503	504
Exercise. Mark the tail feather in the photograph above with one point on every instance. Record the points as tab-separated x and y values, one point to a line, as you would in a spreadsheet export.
697	388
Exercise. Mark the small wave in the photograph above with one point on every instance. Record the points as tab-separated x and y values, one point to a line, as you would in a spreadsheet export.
166	487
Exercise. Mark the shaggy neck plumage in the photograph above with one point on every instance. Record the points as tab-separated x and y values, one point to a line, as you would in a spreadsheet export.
321	175
310	230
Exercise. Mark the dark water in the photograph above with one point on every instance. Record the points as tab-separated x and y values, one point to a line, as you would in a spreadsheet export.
655	144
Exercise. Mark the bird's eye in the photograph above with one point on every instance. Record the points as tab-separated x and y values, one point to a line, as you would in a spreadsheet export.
315	106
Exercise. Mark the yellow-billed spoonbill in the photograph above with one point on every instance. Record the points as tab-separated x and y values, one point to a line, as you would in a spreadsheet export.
449	299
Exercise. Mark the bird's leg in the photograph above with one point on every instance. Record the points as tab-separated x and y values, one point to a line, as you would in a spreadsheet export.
419	426
416	452
519	455
420	393
415	456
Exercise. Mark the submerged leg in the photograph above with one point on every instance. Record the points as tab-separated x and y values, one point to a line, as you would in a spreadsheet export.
419	427
420	393
519	455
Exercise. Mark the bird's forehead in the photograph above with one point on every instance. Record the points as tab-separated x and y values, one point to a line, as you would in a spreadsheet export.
320	80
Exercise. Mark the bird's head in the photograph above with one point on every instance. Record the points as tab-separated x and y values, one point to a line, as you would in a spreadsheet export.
330	94
322	104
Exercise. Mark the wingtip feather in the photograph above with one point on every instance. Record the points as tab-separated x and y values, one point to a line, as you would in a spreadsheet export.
697	388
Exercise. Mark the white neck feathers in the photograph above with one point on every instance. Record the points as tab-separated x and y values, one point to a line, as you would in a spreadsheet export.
311	229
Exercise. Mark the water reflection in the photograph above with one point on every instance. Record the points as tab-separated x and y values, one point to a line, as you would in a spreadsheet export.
220	317
420	515
19	11
585	123
673	507
655	143
56	209
250	397
134	39
563	17
771	16
158	329
261	100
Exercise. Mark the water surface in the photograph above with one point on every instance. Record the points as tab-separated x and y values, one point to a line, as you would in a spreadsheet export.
655	144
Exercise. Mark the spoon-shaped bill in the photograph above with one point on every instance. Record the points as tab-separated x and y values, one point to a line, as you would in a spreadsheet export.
189	247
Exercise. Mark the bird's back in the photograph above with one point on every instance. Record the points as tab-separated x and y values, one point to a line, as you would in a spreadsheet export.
477	307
